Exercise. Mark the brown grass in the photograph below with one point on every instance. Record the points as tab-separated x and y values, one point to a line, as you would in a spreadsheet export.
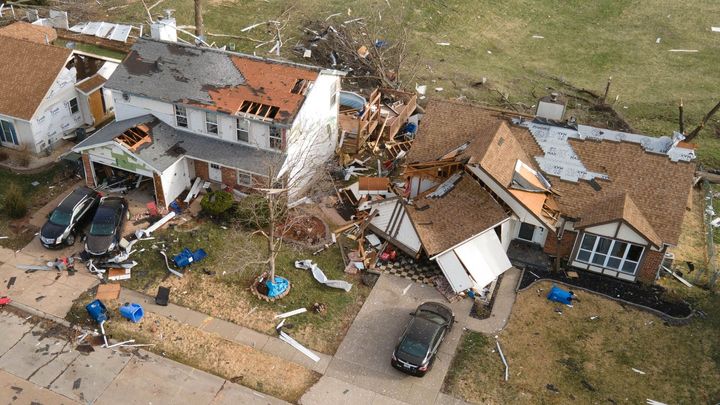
590	361
691	246
232	361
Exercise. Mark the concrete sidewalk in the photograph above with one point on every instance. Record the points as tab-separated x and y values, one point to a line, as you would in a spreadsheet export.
228	330
39	365
502	307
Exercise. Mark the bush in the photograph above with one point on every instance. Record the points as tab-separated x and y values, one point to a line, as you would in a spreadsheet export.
217	203
14	202
251	212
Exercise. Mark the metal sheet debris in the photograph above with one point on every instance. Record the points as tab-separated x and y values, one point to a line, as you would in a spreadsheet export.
320	276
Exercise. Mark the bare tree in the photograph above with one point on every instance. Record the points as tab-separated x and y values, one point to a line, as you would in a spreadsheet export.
199	29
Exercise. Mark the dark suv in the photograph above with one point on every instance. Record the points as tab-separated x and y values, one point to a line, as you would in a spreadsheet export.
421	340
64	221
106	226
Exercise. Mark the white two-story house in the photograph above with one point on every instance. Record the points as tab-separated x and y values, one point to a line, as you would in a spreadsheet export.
184	112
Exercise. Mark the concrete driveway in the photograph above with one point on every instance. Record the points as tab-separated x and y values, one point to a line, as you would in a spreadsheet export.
360	371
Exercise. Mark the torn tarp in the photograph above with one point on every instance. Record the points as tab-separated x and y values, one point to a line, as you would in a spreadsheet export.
320	276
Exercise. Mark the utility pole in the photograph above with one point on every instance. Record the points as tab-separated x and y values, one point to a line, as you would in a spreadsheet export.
199	29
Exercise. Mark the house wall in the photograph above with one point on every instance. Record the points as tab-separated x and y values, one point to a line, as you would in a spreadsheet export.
53	118
566	244
135	106
23	131
313	137
115	156
88	170
175	179
507	230
650	265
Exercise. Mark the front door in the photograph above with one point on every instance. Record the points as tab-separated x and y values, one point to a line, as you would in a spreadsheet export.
215	173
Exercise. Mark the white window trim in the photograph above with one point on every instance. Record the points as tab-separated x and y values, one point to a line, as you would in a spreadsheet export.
238	120
208	123
183	115
608	255
13	131
242	173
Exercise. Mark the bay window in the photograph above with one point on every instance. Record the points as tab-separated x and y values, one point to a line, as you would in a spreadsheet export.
609	253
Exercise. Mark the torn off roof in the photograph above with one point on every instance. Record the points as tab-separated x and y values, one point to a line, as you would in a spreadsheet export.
560	159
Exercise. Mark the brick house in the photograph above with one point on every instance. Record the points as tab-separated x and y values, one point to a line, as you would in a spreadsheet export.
477	179
184	112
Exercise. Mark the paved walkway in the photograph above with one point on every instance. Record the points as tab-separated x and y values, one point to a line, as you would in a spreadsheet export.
502	307
39	365
228	330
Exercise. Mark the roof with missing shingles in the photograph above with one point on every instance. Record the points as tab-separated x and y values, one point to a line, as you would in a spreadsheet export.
210	78
170	145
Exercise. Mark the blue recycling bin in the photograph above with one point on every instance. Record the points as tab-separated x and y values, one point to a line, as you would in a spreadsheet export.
133	312
97	311
187	256
557	294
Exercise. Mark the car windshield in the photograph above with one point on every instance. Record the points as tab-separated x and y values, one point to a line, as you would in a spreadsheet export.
60	217
103	224
432	316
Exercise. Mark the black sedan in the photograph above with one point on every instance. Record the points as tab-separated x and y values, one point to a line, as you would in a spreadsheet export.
64	221
421	340
106	226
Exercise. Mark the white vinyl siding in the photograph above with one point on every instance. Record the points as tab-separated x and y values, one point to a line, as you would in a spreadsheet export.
609	253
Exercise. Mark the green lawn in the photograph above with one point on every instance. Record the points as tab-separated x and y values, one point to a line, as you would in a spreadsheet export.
234	260
584	43
37	196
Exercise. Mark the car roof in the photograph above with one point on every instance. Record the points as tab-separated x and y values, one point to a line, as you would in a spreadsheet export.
75	197
422	330
113	202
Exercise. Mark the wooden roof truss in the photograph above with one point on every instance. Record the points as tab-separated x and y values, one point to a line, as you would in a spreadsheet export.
264	111
135	137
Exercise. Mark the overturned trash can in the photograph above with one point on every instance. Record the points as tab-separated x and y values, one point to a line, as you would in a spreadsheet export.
97	311
132	312
557	294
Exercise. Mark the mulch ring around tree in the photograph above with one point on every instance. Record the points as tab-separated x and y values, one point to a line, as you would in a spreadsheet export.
647	295
307	230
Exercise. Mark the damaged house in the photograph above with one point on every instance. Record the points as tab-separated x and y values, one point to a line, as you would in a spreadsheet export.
478	179
48	91
184	112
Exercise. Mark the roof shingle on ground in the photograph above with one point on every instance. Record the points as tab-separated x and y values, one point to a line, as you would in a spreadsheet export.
170	145
210	78
655	185
462	213
39	34
27	71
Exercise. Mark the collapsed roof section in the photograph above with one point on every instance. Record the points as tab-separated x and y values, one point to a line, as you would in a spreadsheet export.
227	82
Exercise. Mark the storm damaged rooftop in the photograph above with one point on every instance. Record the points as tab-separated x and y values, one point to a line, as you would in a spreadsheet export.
227	82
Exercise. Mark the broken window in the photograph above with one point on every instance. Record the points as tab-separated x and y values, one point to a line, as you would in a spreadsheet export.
181	116
609	253
211	123
301	86
244	178
74	107
276	141
243	130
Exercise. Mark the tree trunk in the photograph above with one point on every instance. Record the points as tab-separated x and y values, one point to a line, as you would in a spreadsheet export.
199	31
271	238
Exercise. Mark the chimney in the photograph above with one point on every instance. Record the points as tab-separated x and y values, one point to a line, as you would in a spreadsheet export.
551	107
164	29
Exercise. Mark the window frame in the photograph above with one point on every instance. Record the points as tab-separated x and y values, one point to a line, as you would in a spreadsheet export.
275	138
208	123
246	175
239	131
6	125
603	258
76	109
183	115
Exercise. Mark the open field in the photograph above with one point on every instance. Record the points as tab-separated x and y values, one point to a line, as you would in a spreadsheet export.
571	358
583	44
232	260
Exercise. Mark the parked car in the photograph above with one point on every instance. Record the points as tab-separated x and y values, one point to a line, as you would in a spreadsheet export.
415	353
106	226
69	216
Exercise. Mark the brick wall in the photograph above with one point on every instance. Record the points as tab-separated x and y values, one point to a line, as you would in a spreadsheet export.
159	192
229	176
202	169
87	166
566	243
649	265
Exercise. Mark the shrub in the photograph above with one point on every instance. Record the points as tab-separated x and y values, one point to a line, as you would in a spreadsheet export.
251	212
217	203
14	202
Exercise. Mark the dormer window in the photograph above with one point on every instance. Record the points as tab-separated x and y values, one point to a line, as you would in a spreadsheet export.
243	130
211	123
181	116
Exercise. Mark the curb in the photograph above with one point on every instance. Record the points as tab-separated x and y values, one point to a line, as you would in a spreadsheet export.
672	320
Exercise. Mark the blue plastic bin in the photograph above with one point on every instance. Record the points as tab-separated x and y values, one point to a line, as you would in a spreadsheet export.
132	312
97	311
187	256
557	294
